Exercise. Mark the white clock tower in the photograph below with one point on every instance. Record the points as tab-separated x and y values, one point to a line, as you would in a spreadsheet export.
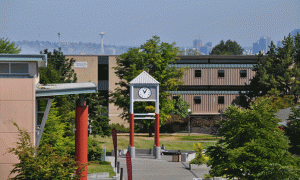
144	88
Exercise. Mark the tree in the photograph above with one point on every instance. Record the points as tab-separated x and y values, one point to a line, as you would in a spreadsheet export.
279	70
252	142
8	48
292	130
153	57
43	163
228	48
190	52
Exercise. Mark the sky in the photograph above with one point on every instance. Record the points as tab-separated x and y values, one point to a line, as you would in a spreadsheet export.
133	22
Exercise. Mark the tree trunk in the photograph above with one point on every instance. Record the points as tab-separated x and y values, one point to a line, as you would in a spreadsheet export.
150	131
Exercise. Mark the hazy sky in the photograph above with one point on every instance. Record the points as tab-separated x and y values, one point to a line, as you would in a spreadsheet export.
132	22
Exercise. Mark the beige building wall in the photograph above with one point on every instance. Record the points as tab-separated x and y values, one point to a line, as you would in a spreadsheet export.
209	76
17	104
114	112
209	103
89	74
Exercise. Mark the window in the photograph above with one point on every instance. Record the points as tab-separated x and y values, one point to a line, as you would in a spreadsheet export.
175	98
243	73
221	73
102	72
14	68
4	68
197	99
197	73
221	100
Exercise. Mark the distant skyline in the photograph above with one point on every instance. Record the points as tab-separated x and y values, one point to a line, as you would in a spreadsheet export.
132	22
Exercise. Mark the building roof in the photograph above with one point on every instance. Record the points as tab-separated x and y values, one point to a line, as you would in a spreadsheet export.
44	90
217	59
40	58
144	78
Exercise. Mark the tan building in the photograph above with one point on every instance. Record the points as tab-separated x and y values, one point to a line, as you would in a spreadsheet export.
18	80
20	92
212	82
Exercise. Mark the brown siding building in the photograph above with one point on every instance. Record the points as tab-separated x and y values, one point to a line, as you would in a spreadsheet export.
212	82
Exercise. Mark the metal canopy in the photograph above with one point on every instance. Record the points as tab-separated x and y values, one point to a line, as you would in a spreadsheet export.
40	58
65	89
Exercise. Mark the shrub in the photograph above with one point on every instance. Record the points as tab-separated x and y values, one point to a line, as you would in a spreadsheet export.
43	163
94	150
120	128
200	158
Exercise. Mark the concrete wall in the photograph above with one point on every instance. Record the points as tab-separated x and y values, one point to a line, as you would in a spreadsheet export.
17	103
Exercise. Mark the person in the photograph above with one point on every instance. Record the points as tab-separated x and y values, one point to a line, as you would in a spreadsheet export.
163	149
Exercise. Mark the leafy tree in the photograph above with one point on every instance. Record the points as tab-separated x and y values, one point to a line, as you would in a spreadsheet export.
154	58
292	130
58	70
278	172
180	111
191	52
8	47
100	123
252	142
228	48
42	164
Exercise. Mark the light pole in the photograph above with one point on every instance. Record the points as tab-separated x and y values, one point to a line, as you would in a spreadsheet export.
189	125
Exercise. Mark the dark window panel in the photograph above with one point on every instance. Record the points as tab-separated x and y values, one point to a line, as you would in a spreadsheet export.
197	73
197	99
243	73
221	73
102	71
221	100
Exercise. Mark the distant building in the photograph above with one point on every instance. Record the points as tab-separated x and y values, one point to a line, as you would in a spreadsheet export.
279	44
263	43
197	43
255	48
206	49
294	32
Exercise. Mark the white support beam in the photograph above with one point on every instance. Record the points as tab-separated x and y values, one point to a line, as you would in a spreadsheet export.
40	131
144	114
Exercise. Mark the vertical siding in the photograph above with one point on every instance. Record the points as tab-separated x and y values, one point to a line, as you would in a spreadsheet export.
209	102
209	76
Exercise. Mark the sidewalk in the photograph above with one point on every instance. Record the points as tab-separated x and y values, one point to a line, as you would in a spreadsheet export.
146	167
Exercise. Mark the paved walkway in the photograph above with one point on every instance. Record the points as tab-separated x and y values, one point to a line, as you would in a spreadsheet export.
146	167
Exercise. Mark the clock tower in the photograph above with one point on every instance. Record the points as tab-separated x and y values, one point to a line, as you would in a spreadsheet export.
144	88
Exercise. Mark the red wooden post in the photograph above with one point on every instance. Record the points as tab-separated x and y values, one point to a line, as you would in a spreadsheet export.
131	118
81	138
157	130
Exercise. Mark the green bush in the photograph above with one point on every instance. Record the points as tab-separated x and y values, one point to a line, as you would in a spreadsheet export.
120	128
200	158
276	171
94	149
43	163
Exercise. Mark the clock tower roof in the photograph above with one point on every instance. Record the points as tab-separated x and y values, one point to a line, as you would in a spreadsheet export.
144	78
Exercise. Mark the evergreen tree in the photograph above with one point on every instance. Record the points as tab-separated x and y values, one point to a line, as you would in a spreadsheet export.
251	142
280	70
228	48
8	47
292	130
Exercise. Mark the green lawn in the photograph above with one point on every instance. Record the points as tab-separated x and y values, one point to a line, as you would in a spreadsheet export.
139	143
94	167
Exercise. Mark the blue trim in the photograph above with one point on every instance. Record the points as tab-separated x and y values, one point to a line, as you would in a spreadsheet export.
213	65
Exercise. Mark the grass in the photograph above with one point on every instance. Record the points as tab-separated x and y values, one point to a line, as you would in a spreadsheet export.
95	167
145	142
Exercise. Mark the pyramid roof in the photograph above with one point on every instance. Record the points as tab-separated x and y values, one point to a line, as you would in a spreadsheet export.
144	78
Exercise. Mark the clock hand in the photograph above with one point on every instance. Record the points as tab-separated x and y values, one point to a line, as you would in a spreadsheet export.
145	91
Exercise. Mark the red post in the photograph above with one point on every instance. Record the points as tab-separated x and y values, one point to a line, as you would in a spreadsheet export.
157	130
131	119
155	136
81	138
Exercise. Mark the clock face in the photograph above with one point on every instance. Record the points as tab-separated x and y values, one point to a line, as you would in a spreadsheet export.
144	92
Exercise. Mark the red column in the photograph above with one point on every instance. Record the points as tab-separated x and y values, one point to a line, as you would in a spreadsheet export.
155	136
131	119
81	138
157	130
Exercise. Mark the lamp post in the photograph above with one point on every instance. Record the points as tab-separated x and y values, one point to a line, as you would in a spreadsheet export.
189	125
